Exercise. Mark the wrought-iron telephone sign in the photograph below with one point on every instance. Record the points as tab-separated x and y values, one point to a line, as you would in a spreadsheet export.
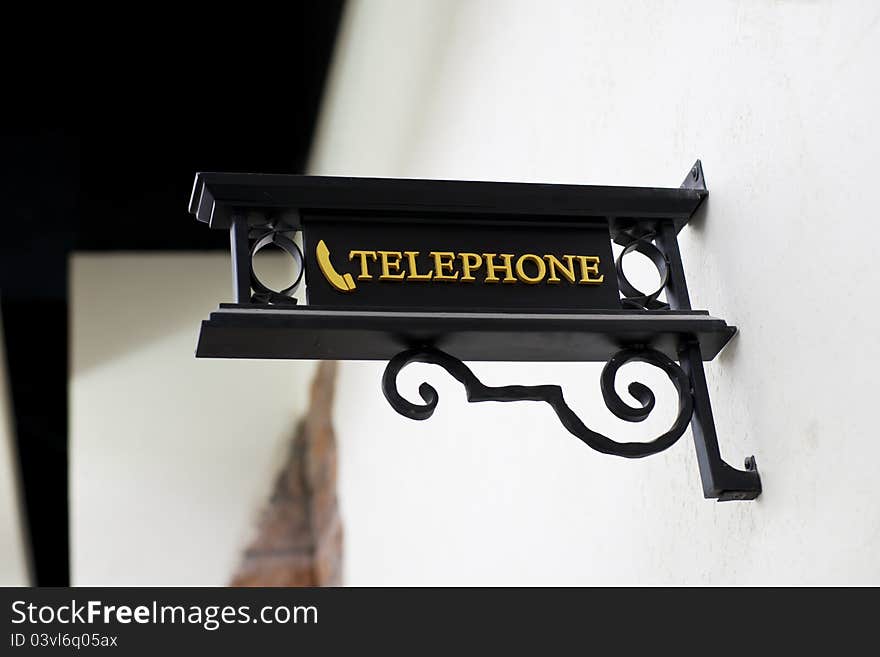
448	271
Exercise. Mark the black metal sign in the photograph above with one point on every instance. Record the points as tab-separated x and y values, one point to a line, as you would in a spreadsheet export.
448	271
414	263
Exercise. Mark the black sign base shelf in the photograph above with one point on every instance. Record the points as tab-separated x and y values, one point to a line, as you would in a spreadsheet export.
306	332
370	278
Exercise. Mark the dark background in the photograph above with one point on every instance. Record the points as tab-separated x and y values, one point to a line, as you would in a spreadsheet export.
102	132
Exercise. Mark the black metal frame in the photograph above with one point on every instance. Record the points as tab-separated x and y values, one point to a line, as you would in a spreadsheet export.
264	323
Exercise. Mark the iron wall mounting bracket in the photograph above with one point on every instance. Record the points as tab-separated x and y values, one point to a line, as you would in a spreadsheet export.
262	210
720	480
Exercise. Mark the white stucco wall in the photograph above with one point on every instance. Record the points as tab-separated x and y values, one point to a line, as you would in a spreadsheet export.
780	100
171	458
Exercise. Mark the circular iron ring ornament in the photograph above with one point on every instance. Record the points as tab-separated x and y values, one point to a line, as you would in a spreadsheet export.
633	297
552	394
263	293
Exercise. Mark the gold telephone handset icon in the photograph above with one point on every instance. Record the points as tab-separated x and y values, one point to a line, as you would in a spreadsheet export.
342	282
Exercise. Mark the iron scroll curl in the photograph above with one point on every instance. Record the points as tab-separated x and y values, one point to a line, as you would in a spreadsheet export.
262	292
552	395
636	239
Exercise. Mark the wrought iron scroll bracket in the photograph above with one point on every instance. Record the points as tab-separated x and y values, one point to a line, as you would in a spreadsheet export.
477	391
658	240
720	480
